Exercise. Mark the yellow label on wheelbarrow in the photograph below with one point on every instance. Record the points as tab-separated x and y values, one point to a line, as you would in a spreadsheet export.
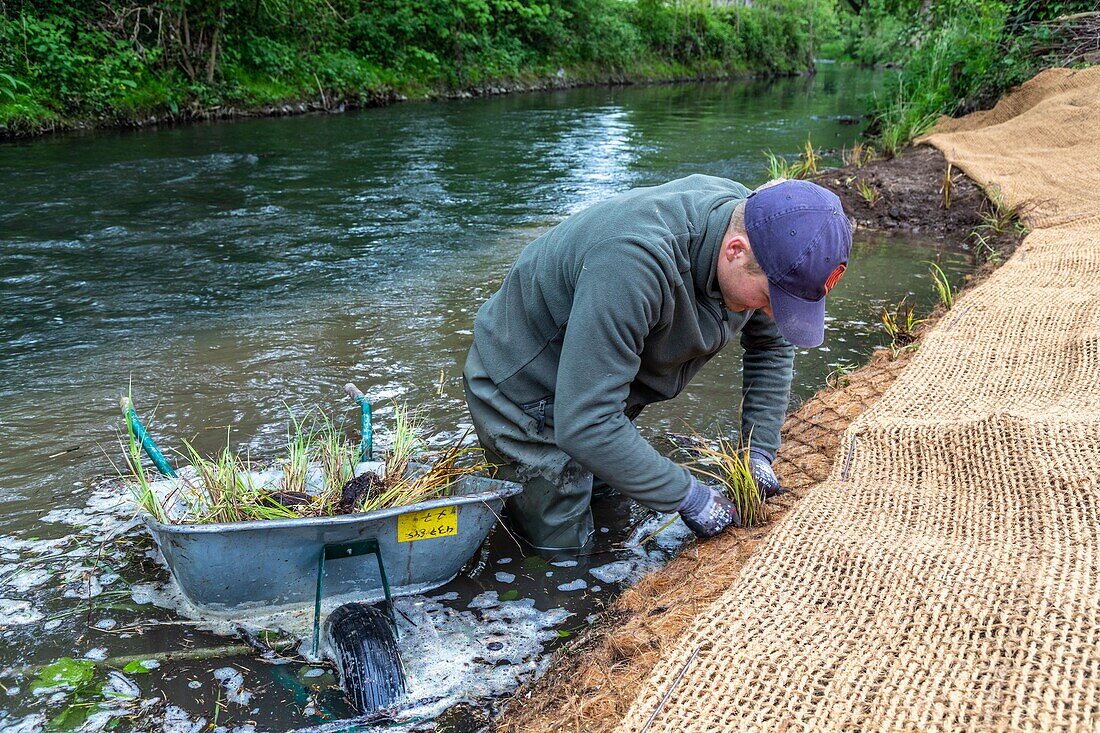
428	524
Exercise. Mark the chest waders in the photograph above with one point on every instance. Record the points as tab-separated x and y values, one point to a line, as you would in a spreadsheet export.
553	512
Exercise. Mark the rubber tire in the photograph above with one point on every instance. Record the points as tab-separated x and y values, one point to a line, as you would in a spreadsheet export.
361	642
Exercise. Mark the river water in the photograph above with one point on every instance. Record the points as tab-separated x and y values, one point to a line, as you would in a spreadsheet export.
226	273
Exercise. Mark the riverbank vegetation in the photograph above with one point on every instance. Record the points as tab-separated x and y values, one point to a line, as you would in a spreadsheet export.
119	61
958	56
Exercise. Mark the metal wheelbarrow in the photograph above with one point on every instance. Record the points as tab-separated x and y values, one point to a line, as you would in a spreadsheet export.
231	569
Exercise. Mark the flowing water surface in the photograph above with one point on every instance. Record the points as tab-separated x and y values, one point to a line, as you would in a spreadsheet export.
228	273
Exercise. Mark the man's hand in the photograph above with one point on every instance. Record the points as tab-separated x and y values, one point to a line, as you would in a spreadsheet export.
763	475
706	510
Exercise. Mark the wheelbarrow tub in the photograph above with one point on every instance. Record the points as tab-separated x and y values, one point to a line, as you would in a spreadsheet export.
227	569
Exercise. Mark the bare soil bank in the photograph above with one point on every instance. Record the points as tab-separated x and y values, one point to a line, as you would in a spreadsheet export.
591	682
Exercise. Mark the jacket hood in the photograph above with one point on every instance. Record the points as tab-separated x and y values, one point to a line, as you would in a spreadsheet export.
704	254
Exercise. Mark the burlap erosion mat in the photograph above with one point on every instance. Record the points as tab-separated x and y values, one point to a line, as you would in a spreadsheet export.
947	575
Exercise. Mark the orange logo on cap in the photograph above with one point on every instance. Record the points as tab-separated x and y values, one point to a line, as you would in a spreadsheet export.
834	278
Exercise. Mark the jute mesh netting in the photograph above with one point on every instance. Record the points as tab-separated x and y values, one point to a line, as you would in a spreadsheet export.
946	576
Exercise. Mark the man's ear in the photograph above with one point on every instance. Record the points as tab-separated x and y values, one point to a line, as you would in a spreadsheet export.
734	245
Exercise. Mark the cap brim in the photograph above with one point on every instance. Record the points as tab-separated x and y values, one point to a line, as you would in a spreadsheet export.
802	322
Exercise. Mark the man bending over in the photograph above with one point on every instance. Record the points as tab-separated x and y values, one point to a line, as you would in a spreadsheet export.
618	307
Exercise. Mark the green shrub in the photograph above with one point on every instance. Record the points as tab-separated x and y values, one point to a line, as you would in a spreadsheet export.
82	59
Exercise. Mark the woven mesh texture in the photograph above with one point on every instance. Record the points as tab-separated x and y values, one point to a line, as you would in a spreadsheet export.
946	576
1038	145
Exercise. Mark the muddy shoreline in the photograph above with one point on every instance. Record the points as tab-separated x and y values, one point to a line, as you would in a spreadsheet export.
591	682
329	104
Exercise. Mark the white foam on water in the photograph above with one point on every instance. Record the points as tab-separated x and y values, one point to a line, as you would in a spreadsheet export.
452	656
504	577
120	687
32	723
578	584
18	613
98	654
564	563
233	681
488	599
176	720
23	581
614	572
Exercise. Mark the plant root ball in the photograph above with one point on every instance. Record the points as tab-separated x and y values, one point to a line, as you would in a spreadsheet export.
357	489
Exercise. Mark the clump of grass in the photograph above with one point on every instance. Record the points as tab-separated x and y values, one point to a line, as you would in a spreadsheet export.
941	286
296	464
868	193
338	457
998	216
804	166
900	325
840	375
412	485
808	160
860	155
984	251
224	490
779	167
727	463
948	187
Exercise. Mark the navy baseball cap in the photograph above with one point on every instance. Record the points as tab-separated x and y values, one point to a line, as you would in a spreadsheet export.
801	239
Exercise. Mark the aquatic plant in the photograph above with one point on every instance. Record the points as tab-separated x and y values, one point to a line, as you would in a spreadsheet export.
778	166
948	187
998	216
941	286
225	491
337	457
727	462
804	166
296	464
868	193
900	324
840	375
860	155
984	251
434	480
808	160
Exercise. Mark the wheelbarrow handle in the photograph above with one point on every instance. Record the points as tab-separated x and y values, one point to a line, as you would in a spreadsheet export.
353	392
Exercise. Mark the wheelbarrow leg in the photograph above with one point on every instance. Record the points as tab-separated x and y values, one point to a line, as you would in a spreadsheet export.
339	552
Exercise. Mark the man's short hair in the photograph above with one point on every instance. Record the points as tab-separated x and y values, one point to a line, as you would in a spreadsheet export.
737	221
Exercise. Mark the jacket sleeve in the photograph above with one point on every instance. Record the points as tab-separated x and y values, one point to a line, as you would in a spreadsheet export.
617	301
766	383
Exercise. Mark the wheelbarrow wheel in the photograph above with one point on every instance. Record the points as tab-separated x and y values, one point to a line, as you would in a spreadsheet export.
364	649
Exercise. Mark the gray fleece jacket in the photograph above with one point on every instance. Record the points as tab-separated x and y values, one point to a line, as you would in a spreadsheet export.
618	307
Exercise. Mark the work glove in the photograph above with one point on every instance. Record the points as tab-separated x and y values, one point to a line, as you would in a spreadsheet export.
706	510
766	482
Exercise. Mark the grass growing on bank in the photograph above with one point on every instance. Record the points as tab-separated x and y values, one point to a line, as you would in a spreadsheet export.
955	57
941	286
86	61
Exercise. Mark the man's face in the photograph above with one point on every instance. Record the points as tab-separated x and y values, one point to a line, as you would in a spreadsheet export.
743	287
